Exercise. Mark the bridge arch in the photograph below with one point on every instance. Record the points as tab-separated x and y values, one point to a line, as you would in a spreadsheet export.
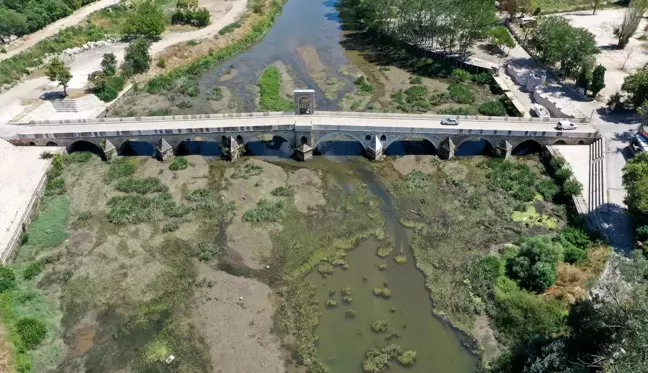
409	145
269	145
137	148
51	143
528	146
87	146
208	148
326	137
560	142
474	145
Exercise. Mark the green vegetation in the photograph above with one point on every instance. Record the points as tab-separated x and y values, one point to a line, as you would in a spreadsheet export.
79	157
558	43
58	72
179	163
493	108
134	209
121	167
385	250
271	97
382	292
461	93
147	21
105	84
7	278
331	303
635	180
416	80
379	326
455	111
283	191
383	267
460	75
190	14
363	87
216	94
407	358
350	313
378	360
418	180
266	211
229	28
137	59
141	186
33	270
49	229
534	266
500	37
518	179
32	331
400	259
247	171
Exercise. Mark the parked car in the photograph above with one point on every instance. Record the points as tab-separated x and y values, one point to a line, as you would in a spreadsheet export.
540	111
565	125
450	122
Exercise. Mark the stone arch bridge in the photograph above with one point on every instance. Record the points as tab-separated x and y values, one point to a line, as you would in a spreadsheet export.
374	131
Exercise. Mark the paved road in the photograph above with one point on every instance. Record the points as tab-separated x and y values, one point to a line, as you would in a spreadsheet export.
51	29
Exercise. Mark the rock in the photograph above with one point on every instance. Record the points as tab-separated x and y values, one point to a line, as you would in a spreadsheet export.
240	298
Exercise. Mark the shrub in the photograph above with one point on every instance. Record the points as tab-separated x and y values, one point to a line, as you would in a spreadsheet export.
229	28
79	157
460	75
383	267
350	313
384	250
461	93
284	191
121	167
548	188
416	93
563	173
33	270
247	171
141	186
407	358
107	94
379	326
207	251
324	268
454	111
572	187
161	63
557	163
171	226
266	211
486	270
363	88
574	254
493	108
574	236
331	303
642	232
137	59
418	180
179	163
7	278
400	259
216	94
534	267
46	155
439	98
382	292
31	331
416	80
482	78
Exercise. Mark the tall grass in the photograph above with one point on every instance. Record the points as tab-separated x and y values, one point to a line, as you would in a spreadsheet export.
141	186
266	211
121	167
48	230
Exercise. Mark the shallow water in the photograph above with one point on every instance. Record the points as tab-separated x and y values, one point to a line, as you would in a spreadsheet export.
313	23
343	341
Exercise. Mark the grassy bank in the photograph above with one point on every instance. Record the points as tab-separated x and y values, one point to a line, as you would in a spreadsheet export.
15	68
271	98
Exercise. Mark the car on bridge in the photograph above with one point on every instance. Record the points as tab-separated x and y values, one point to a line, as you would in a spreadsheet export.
565	125
450	122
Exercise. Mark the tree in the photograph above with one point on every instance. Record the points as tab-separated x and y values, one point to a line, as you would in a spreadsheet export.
630	23
137	59
643	113
98	80
635	180
598	80
146	21
13	23
572	187
584	78
595	4
500	37
56	71
109	64
636	85
557	42
534	267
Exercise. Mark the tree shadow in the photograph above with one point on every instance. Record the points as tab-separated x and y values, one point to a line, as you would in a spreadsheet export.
491	49
617	225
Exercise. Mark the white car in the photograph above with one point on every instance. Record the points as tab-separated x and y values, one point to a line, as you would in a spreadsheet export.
450	122
565	125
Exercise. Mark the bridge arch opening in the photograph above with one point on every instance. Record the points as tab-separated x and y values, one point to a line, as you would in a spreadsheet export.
133	148
239	139
410	146
383	138
87	146
368	138
269	145
203	148
474	146
560	142
581	142
224	141
528	147
31	143
303	140
339	144
51	143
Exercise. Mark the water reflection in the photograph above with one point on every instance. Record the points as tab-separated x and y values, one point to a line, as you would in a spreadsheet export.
204	148
411	147
277	147
474	147
339	148
527	147
137	148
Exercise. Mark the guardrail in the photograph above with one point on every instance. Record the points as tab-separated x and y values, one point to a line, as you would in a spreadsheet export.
319	114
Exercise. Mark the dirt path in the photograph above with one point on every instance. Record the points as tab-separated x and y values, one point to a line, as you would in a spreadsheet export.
30	40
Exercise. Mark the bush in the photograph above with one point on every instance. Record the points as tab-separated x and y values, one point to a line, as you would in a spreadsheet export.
439	98
416	80
137	59
382	292
31	331
379	326
416	93
266	211
207	252
517	179
121	167
563	173
194	17
350	313
284	191
460	75
79	157
493	108
574	236
179	163
141	186
486	270
7	278
642	232
107	94
557	163
461	93
161	63
216	94
331	303
400	259
363	88
407	358
574	254
482	78
247	171
572	187
33	270
548	188
534	267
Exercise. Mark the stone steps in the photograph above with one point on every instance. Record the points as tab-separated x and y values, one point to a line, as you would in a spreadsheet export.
75	105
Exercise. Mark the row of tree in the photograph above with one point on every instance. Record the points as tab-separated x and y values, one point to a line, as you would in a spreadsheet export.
20	17
448	25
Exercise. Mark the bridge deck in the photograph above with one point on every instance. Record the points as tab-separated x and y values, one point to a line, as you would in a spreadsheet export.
350	121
